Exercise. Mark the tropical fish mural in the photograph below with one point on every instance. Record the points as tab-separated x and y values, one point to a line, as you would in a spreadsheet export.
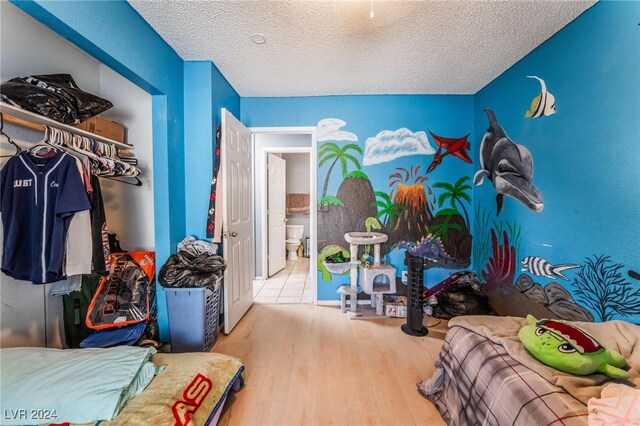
542	105
508	166
457	147
542	268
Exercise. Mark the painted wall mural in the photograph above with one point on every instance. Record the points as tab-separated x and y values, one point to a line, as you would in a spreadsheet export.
428	219
601	286
389	145
542	105
576	259
525	295
456	147
596	288
508	166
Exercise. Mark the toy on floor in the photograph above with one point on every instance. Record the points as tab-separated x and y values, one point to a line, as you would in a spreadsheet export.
375	279
570	349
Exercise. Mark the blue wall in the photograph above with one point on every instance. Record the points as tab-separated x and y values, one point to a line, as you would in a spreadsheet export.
206	92
366	116
586	156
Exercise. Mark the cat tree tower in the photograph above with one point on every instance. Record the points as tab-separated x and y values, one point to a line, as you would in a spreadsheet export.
376	280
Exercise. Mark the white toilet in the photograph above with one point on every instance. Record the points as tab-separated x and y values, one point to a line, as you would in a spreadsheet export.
294	235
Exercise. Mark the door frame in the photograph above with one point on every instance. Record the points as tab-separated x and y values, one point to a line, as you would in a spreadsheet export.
313	191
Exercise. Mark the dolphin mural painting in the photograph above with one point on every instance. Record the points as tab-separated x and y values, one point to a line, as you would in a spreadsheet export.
508	166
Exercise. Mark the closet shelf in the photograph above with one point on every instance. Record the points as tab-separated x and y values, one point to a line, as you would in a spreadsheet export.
23	118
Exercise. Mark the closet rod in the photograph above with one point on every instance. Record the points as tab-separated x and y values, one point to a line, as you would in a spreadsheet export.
22	123
30	120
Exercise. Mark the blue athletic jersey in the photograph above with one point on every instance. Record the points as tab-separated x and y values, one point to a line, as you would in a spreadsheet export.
38	198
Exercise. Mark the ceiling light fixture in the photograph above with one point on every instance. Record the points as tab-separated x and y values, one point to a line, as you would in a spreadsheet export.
258	38
371	12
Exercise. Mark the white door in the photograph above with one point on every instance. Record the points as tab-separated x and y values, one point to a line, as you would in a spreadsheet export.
276	213
237	223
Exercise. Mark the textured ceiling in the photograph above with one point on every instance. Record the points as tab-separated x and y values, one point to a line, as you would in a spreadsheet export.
334	47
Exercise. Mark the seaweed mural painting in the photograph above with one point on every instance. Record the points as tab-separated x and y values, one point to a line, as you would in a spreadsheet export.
601	286
501	269
481	229
482	226
526	296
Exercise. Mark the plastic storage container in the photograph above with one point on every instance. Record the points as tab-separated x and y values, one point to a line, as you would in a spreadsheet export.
193	318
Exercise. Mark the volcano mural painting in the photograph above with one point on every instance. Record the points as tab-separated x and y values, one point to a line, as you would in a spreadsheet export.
405	210
414	218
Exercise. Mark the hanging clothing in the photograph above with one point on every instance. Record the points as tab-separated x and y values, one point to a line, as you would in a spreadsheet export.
79	248
99	233
38	197
78	244
214	222
68	286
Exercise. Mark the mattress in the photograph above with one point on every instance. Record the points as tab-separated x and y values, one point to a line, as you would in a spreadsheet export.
115	386
191	390
477	382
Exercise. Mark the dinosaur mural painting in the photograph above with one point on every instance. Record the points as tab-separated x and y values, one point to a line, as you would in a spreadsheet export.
456	147
402	207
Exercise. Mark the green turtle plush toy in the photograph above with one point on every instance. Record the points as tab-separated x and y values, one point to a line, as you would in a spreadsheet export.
570	349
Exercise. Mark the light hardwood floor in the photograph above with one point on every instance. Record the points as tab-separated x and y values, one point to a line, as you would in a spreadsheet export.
311	365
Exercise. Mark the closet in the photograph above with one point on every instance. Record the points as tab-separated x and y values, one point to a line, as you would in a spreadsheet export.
29	315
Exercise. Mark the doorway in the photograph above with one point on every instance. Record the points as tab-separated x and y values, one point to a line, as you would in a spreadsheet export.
285	215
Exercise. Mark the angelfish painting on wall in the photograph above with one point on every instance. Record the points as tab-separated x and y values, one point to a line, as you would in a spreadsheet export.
508	166
542	105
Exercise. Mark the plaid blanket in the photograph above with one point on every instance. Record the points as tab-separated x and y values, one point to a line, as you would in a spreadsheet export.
477	383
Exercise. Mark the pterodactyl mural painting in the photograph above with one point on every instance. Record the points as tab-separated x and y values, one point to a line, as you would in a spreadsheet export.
452	146
508	166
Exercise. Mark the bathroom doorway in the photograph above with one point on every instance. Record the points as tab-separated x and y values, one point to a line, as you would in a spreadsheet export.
285	215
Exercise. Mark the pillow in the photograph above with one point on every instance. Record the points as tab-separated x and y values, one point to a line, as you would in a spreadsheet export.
570	349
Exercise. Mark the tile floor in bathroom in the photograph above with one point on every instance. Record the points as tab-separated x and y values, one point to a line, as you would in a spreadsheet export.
291	285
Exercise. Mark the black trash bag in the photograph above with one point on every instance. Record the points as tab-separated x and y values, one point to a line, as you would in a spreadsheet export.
184	270
461	298
55	96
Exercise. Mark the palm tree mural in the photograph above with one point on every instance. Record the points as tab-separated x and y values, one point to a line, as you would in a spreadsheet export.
332	151
443	229
455	193
387	208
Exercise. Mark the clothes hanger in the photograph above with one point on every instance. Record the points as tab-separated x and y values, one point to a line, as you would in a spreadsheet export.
18	148
45	143
138	182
